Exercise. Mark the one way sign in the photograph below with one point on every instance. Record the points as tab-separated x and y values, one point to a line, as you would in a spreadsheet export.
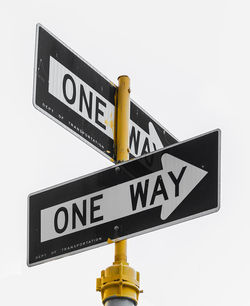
74	94
168	186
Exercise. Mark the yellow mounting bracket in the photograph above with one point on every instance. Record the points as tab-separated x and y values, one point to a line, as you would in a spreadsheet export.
120	280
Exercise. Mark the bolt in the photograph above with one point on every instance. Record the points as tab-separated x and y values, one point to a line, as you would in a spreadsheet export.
117	169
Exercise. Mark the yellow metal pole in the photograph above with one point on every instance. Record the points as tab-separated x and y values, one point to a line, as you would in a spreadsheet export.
122	144
120	280
122	119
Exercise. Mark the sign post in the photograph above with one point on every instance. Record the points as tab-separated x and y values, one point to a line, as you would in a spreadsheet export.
164	183
119	283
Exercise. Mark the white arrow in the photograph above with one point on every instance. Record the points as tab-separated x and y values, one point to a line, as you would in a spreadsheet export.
166	188
142	142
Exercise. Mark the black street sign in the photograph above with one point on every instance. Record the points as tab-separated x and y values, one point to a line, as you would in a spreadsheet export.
162	188
75	95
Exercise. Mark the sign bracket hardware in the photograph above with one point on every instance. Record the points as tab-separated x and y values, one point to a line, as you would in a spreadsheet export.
120	281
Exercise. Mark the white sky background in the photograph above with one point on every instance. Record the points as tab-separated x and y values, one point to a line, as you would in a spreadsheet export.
189	64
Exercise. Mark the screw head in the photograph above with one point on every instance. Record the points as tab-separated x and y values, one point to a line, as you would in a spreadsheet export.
117	169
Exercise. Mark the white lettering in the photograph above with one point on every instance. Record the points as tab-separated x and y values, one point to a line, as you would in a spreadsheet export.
80	97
